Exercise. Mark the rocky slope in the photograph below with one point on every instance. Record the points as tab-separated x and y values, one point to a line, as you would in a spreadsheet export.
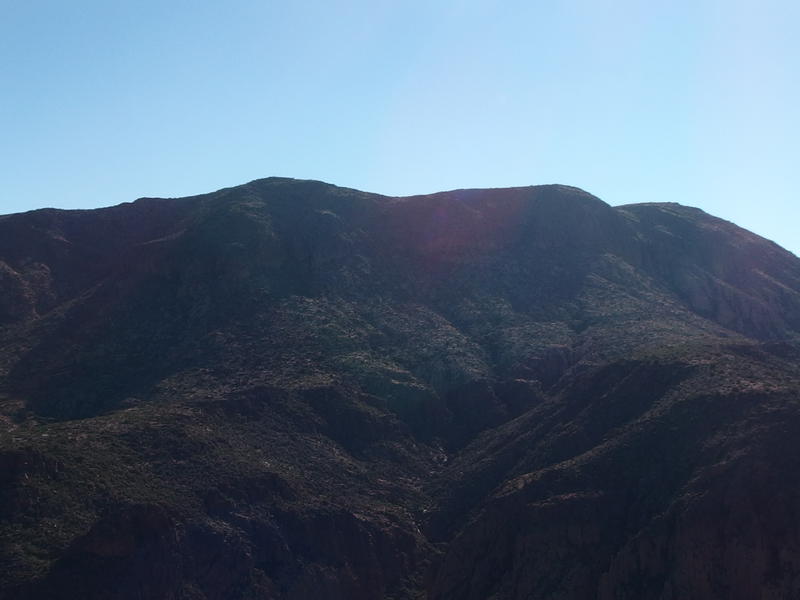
292	390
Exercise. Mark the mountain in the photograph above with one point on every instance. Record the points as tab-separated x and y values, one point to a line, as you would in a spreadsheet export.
292	390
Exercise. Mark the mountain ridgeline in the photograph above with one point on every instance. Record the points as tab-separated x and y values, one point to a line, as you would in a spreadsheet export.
290	390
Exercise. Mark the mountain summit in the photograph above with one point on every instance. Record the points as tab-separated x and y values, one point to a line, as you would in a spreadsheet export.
292	390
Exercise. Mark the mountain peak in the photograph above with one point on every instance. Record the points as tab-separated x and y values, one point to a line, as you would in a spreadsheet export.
289	389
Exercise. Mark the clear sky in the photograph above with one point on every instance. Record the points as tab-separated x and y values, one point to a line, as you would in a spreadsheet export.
698	102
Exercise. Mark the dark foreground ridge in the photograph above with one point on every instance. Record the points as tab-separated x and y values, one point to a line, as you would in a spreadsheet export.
290	390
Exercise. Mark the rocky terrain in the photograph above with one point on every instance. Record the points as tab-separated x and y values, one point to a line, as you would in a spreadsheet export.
289	390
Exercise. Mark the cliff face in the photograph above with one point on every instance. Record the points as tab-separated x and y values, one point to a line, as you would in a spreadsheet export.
290	390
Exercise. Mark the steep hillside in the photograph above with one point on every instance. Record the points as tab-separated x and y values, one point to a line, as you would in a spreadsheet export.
292	390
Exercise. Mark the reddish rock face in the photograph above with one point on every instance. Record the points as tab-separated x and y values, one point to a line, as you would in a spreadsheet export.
291	390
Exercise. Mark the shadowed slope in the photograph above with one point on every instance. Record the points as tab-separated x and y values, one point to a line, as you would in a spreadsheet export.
288	389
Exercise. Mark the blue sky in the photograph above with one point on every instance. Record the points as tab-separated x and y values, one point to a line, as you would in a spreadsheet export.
696	102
